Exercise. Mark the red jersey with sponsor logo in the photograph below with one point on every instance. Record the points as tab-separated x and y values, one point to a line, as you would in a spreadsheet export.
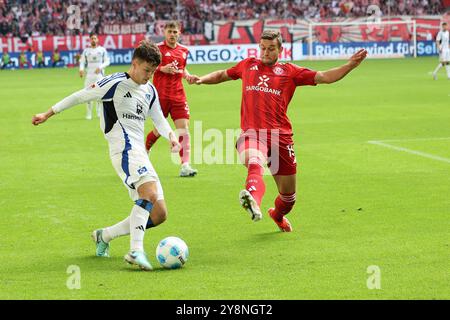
267	91
170	86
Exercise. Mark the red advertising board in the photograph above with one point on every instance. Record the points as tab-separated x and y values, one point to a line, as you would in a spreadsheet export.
63	43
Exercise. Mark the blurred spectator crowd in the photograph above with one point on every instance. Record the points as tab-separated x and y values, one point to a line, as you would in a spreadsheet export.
37	17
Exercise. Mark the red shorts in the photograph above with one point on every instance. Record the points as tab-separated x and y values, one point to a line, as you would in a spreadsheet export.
177	110
278	150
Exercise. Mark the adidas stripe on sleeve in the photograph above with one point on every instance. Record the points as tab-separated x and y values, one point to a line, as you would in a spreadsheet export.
97	91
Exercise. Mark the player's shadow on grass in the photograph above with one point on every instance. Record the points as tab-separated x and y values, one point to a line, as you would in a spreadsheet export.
114	264
156	269
270	236
100	261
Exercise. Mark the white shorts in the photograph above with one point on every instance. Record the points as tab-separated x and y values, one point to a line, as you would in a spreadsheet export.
444	56
134	169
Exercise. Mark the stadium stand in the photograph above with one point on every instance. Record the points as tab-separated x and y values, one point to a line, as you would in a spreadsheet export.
21	18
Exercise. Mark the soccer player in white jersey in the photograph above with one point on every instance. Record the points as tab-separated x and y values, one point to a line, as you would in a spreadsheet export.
442	43
128	99
93	62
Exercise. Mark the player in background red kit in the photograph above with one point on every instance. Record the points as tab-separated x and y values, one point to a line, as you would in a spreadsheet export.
168	82
267	89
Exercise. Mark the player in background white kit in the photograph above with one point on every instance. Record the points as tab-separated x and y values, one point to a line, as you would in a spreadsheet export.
93	62
442	43
128	99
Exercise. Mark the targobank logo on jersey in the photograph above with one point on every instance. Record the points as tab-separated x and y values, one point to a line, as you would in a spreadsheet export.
263	86
264	80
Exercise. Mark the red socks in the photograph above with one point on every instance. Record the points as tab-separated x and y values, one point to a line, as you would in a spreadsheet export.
255	182
150	141
255	185
283	205
185	151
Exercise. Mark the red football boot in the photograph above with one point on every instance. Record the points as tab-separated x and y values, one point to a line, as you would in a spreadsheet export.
284	224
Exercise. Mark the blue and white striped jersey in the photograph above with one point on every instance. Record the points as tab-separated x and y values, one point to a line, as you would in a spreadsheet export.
126	106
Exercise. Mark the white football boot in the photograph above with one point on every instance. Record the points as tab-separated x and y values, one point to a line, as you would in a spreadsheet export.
250	205
187	171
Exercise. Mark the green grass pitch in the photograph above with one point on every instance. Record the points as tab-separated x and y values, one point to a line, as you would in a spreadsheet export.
359	204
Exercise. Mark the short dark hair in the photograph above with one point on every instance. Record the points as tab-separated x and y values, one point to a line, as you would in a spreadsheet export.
148	51
272	35
444	23
172	25
93	34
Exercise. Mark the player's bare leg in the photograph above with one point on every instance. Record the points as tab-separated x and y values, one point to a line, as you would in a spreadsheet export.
251	197
184	138
158	214
284	202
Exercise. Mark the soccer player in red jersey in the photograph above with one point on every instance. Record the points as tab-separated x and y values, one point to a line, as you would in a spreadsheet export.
168	82
267	89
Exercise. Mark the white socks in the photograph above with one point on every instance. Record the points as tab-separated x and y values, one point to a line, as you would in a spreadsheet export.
99	108
134	225
138	221
447	69
437	69
120	229
89	110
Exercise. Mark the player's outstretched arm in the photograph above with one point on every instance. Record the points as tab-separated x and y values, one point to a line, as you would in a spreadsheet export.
42	117
94	92
214	77
190	78
338	73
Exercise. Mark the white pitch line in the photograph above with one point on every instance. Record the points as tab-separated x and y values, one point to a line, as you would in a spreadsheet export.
418	153
412	139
